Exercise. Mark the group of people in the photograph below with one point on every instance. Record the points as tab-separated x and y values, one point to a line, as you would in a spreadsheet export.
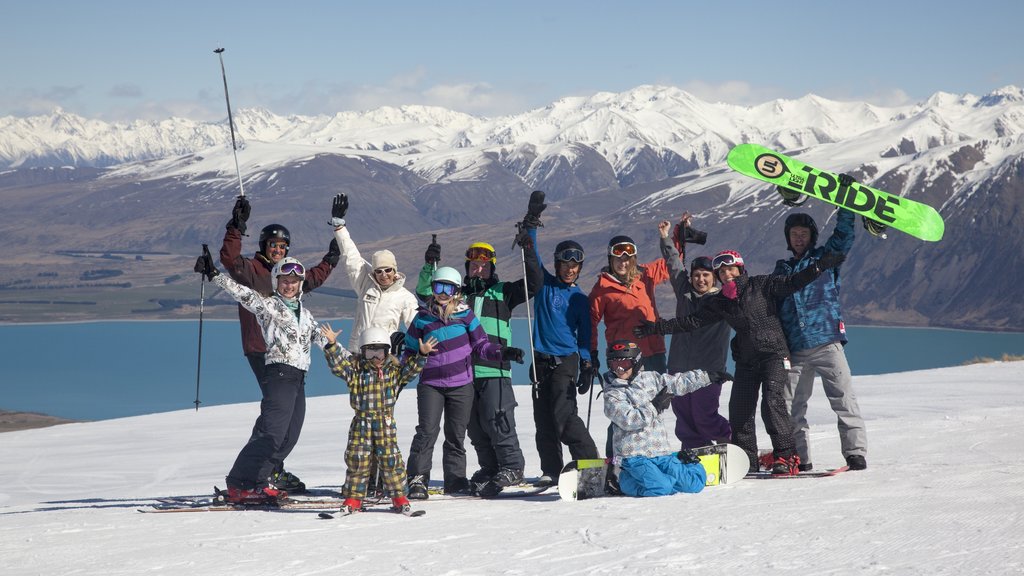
454	333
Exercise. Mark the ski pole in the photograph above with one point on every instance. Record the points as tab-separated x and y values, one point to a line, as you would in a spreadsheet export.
529	318
590	401
199	355
231	123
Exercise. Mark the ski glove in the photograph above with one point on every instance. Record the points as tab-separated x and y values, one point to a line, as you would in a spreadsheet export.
510	353
433	253
662	400
596	361
397	343
845	180
687	456
658	327
586	377
333	253
204	265
534	209
717	377
829	260
340	206
240	214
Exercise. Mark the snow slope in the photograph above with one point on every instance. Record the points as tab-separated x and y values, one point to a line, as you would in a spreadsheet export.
943	494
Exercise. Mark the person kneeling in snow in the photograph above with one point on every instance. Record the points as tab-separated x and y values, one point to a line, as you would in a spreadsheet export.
374	379
634	401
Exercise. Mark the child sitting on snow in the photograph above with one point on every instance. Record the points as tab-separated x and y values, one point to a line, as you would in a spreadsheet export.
374	380
634	400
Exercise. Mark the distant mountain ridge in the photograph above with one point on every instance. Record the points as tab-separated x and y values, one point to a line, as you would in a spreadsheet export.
610	161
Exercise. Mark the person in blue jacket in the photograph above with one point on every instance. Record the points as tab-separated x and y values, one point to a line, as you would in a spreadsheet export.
812	321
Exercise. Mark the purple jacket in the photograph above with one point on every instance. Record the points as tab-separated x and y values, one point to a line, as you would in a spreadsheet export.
451	363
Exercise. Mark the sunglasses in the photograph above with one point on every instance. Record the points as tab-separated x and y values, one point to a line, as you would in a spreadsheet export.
726	260
570	255
383	270
279	245
293	268
444	288
479	254
623	249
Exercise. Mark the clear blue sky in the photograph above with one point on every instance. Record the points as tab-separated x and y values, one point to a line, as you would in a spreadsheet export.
119	60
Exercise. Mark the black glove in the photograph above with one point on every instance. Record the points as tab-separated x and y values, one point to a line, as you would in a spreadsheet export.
204	264
830	260
240	214
717	377
433	253
333	253
534	209
694	236
340	206
845	180
662	400
398	343
512	354
586	377
688	456
595	360
658	327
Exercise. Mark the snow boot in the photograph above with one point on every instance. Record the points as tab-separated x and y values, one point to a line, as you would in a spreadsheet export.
287	481
856	462
417	488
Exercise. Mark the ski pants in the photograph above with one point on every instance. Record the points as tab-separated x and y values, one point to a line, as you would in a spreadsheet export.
659	476
829	362
555	413
282	412
765	374
258	363
697	419
456	404
492	428
373	439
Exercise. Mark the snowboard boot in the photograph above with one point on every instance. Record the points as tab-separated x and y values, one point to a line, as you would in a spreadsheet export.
856	462
503	479
260	496
417	488
287	481
546	480
350	506
457	487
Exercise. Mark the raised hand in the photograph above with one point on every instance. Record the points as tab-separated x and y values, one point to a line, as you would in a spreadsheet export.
240	214
433	253
429	346
204	265
663	228
329	333
340	206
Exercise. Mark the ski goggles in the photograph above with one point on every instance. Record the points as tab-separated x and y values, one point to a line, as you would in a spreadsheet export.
444	288
623	249
726	260
570	255
292	268
375	352
478	254
620	365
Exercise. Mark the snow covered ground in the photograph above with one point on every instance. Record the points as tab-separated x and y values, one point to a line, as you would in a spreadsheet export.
943	494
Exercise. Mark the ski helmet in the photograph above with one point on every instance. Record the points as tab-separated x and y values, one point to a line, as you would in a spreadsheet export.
702	263
569	251
274	231
727	258
804	220
623	350
621	246
446	275
287	266
375	336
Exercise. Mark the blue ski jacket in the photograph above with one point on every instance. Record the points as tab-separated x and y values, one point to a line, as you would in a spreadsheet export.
562	315
812	317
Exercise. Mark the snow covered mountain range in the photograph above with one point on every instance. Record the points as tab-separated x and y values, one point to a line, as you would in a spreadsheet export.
610	163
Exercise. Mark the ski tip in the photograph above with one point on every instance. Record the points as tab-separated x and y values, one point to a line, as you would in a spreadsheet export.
325	516
417	513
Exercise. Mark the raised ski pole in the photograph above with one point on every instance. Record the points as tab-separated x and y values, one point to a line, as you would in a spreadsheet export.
231	122
199	355
529	318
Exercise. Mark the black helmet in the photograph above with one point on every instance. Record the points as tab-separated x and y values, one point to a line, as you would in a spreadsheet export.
623	350
804	220
569	250
272	231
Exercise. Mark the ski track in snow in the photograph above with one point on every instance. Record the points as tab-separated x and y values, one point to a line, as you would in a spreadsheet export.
942	495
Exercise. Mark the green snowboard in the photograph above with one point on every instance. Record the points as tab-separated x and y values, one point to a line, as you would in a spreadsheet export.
917	219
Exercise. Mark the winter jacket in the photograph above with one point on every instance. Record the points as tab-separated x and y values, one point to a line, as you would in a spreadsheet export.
493	301
388	308
623	307
706	347
255	273
561	315
637	427
372	391
288	338
753	314
812	317
459	339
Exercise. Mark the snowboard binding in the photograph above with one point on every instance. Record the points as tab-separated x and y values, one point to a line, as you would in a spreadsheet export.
791	198
874	228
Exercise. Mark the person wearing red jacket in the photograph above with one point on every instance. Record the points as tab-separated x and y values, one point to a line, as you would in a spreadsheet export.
254	273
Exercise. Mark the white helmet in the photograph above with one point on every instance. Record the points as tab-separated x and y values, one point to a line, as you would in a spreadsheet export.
375	335
447	274
287	266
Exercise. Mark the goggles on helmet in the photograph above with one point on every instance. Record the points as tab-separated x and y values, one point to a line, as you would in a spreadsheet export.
570	255
444	288
623	249
292	268
375	352
726	260
479	254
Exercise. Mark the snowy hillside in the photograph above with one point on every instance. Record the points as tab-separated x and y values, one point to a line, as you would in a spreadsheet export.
942	495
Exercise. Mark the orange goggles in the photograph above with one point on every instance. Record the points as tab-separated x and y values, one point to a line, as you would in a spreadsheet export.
623	249
479	255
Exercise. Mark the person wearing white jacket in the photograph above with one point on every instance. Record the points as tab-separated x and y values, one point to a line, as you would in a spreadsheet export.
384	301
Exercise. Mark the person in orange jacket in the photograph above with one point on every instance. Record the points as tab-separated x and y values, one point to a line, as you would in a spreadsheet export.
623	296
